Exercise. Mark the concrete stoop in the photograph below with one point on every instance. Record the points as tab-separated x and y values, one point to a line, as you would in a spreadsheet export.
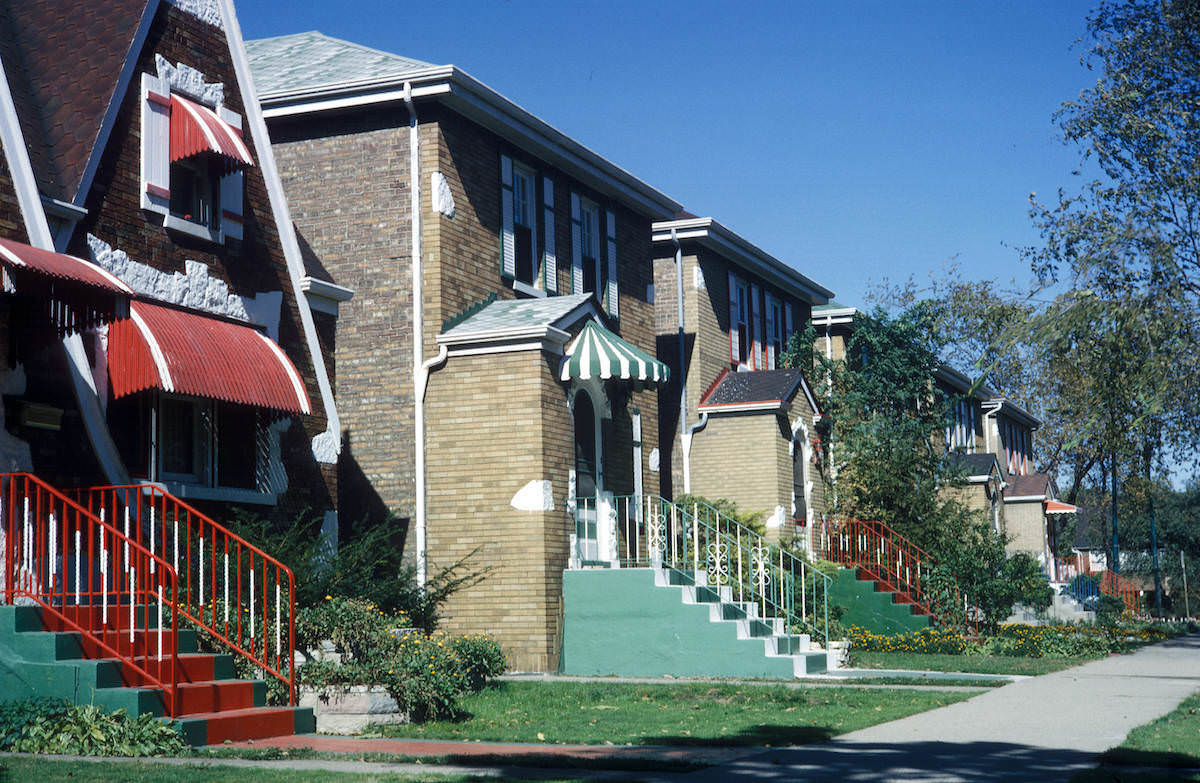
1062	609
654	622
40	656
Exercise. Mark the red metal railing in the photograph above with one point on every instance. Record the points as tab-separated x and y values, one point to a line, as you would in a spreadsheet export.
1120	587
886	556
93	579
228	587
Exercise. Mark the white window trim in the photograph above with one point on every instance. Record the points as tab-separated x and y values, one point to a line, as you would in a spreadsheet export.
586	207
534	287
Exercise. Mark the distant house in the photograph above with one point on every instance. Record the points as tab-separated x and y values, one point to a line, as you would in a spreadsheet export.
734	424
496	365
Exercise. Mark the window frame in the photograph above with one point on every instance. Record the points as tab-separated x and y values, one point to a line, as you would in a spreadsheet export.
528	178
587	208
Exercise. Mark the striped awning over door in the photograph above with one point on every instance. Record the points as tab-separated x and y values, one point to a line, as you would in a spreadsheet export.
598	353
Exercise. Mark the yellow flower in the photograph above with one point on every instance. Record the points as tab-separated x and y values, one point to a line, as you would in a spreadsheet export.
329	598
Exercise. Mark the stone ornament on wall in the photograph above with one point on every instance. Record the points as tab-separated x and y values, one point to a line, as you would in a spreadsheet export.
190	81
204	10
443	199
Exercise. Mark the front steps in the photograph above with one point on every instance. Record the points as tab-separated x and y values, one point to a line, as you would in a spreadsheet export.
38	657
656	622
872	607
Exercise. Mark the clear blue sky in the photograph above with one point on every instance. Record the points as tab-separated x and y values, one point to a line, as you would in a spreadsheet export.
853	140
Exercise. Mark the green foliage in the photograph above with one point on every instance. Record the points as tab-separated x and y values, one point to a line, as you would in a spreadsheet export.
425	673
368	565
55	726
710	512
926	640
1110	610
991	581
482	659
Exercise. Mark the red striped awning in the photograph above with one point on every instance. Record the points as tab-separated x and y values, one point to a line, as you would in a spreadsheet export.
21	258
197	355
1058	507
196	129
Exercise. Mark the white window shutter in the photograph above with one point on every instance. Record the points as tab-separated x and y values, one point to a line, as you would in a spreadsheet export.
610	222
771	357
734	315
756	329
156	144
549	260
576	246
508	239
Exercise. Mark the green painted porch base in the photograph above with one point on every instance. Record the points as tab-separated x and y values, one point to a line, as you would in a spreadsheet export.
871	610
617	622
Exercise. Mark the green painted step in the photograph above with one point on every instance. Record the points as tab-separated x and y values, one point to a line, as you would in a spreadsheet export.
625	622
873	611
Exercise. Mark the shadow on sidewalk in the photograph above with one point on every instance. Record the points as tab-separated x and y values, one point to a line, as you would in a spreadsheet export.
915	762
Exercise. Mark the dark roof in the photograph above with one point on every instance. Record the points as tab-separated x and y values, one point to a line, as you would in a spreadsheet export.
1023	486
743	388
973	464
63	62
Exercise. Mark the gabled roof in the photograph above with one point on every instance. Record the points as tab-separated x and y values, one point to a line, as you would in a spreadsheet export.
758	390
348	75
528	317
1035	486
976	467
739	250
64	63
309	60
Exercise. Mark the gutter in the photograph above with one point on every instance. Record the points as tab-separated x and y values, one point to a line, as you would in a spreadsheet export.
687	450
683	405
421	368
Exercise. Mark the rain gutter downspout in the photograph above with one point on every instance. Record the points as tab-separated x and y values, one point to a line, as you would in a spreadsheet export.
420	368
683	409
687	450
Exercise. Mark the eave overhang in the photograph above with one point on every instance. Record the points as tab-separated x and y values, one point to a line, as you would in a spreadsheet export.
476	101
711	234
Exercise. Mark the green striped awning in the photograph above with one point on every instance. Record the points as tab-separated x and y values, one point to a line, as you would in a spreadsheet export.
598	353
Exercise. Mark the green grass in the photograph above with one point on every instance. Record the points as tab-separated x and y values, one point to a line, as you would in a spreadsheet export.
928	682
54	771
975	664
594	713
1167	749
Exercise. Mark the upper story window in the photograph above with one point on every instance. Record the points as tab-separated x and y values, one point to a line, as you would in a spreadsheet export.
527	258
1017	442
740	336
775	328
960	432
594	252
193	158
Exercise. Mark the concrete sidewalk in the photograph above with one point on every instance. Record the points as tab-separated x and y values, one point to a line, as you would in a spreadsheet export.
1040	729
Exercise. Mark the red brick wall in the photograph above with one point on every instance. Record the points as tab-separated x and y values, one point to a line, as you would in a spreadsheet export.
255	264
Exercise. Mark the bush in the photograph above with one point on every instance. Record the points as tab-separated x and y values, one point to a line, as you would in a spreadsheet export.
56	726
1109	610
424	673
926	640
482	659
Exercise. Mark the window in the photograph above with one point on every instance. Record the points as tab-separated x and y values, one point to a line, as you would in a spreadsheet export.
196	191
775	325
960	432
524	225
589	247
211	444
740	339
193	158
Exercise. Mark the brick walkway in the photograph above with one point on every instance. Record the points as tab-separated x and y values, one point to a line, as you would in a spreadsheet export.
464	751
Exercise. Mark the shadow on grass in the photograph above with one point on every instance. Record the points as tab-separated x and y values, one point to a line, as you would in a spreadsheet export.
1128	757
762	735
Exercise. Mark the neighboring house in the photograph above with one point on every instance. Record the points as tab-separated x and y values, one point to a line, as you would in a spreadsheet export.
726	308
497	394
141	149
1034	516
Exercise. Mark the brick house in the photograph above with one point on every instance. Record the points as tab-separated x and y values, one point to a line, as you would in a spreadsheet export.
991	440
724	308
481	416
162	334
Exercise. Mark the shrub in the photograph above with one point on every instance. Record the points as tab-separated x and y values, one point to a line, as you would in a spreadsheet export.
53	726
356	627
482	659
425	678
1109	610
926	640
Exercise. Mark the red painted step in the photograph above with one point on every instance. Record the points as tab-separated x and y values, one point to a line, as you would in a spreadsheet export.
215	696
246	724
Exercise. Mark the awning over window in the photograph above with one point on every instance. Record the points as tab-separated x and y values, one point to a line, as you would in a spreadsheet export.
196	128
66	291
189	353
598	353
1058	507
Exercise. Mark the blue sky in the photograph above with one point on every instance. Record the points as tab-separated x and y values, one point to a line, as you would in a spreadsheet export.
853	140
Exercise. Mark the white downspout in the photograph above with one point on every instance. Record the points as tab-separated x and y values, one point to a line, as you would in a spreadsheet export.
687	451
420	372
683	406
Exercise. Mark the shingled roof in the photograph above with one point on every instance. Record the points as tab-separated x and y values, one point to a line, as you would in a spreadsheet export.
762	387
313	59
63	62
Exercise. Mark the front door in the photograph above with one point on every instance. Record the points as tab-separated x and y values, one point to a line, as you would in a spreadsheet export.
587	477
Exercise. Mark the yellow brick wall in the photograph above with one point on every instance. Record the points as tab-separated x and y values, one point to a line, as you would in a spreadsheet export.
1026	528
496	422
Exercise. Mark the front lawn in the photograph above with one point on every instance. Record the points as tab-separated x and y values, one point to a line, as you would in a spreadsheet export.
596	713
55	771
975	664
1159	750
